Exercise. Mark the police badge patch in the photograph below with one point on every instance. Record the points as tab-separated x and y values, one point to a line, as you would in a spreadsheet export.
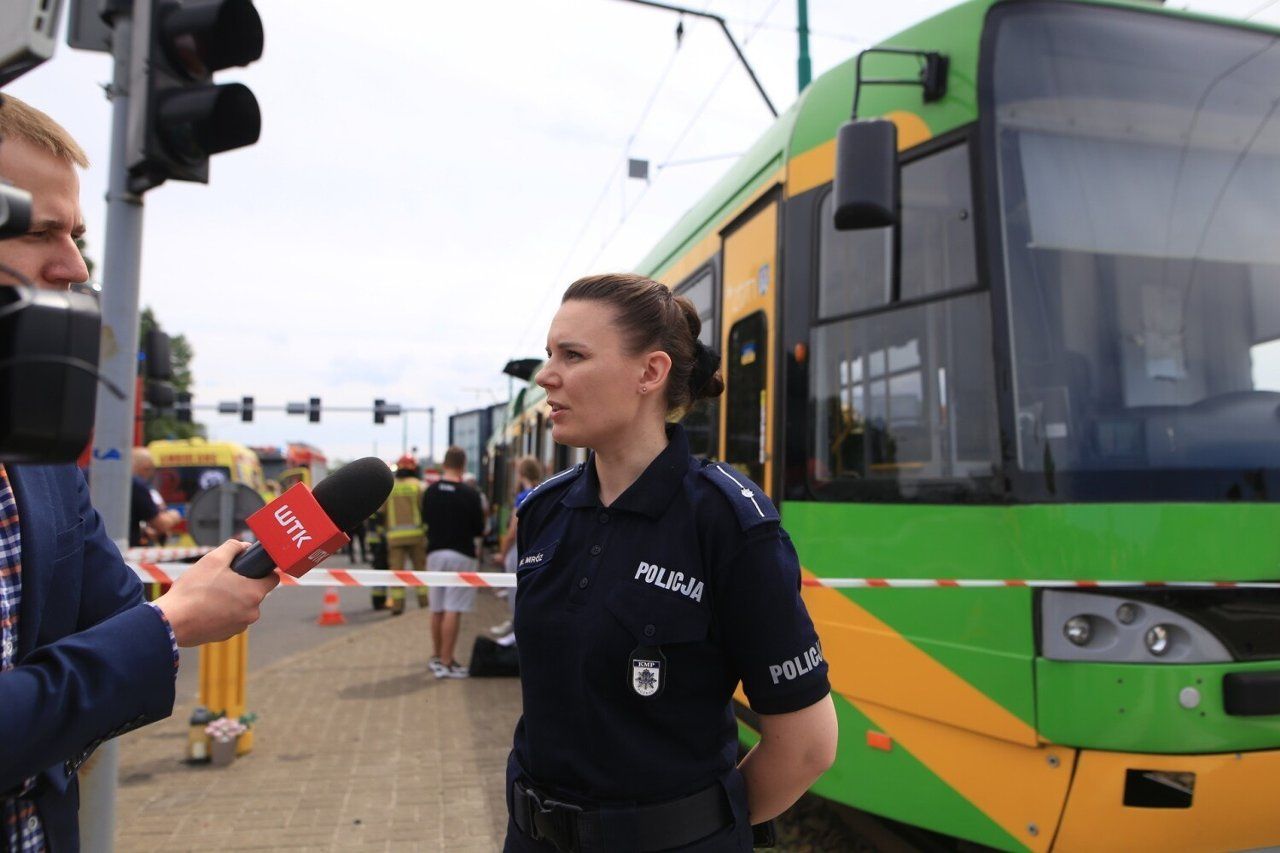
648	671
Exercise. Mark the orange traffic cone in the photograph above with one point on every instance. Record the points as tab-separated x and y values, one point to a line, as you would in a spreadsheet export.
331	614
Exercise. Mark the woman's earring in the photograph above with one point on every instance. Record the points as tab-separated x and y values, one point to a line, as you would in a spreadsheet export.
644	389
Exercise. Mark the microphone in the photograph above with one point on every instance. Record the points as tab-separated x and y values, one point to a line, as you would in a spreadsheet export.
300	528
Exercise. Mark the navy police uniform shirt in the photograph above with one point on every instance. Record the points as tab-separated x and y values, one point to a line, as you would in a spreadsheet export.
636	622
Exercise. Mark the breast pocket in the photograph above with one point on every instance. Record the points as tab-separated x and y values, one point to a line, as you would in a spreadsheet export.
657	618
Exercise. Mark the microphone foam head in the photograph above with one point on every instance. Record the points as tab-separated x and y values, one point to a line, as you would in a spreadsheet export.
354	492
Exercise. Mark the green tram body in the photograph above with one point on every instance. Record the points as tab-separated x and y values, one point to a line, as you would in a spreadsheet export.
1061	364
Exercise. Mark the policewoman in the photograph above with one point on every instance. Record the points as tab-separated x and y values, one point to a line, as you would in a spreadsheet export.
650	583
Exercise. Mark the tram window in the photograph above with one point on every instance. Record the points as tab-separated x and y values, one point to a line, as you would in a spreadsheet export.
702	423
747	358
904	400
937	224
853	273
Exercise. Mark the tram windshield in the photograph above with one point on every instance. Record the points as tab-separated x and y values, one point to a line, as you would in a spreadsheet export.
1138	174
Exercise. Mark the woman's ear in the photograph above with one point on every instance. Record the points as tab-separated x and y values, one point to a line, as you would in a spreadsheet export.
657	367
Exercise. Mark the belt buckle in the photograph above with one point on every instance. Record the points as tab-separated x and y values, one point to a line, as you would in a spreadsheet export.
553	821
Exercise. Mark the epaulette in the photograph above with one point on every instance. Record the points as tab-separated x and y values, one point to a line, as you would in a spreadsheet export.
552	484
749	502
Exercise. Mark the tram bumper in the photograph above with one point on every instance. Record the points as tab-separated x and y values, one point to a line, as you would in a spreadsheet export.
1128	801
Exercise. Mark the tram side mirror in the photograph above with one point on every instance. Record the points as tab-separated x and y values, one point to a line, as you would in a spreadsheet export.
867	175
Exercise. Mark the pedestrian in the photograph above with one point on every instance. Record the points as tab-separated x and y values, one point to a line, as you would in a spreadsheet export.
83	658
650	584
454	516
404	534
528	476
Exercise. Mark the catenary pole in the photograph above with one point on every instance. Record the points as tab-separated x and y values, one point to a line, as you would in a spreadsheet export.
804	68
111	468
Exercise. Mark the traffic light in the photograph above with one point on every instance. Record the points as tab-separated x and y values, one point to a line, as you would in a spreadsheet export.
177	116
313	410
182	407
246	409
381	409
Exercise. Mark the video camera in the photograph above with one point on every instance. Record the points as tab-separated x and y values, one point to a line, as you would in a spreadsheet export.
49	339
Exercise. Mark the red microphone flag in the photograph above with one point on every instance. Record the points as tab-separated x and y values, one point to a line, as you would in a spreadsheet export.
295	532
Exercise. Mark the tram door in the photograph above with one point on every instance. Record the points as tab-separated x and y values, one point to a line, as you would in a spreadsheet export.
750	279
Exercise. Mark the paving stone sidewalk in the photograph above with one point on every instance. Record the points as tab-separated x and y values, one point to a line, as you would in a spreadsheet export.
357	746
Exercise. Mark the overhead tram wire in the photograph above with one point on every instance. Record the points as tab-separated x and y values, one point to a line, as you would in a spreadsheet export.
558	279
1258	11
697	114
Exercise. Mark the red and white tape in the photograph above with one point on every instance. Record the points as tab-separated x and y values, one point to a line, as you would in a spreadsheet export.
168	572
160	555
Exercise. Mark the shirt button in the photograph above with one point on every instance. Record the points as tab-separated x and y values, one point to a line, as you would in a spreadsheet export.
595	549
604	518
649	630
582	584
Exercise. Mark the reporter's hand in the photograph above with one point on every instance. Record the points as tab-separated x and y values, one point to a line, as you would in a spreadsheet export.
210	602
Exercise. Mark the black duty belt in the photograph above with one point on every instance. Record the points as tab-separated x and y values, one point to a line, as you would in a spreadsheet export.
573	829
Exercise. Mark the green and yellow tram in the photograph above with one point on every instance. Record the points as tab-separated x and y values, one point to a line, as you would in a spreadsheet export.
1047	346
1061	360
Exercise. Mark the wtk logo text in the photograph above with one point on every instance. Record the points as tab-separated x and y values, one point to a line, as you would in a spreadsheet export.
292	526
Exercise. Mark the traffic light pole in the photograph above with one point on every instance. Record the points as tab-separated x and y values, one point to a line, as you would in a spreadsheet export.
111	469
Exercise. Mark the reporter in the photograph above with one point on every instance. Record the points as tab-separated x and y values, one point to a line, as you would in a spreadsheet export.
82	657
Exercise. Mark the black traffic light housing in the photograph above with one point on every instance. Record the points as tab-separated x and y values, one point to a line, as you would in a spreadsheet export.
246	409
177	116
313	410
379	411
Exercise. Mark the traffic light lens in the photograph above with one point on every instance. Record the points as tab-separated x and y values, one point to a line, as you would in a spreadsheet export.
202	121
204	37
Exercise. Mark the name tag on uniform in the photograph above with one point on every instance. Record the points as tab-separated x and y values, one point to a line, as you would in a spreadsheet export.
648	672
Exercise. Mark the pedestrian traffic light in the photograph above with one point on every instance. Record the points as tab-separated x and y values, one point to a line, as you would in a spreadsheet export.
313	410
177	116
182	407
246	409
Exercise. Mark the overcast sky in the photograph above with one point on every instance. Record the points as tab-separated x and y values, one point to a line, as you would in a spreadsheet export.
429	179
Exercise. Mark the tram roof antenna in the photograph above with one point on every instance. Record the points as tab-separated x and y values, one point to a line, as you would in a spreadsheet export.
725	28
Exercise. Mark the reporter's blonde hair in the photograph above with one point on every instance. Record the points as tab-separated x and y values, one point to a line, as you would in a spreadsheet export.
20	120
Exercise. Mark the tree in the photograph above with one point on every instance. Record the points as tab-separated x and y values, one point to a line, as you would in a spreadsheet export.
166	425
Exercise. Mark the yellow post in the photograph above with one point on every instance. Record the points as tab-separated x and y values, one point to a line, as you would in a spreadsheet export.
223	667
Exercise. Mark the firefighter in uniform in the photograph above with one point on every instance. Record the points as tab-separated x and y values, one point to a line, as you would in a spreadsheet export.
649	584
405	535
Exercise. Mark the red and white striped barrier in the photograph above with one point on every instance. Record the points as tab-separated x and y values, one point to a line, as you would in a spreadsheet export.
168	572
160	555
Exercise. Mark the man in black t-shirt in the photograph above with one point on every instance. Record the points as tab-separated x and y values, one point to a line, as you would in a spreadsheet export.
454	516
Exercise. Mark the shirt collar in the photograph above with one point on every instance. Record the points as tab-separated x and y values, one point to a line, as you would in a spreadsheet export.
652	492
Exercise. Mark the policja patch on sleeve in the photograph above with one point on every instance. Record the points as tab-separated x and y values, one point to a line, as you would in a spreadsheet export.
751	505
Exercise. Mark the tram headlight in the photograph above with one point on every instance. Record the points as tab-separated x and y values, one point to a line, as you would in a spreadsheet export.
1079	629
1128	613
1095	626
1158	640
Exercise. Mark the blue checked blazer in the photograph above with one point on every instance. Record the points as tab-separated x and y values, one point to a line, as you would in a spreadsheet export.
93	661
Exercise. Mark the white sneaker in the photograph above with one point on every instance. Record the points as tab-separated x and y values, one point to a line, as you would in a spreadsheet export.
501	628
457	670
507	639
437	667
